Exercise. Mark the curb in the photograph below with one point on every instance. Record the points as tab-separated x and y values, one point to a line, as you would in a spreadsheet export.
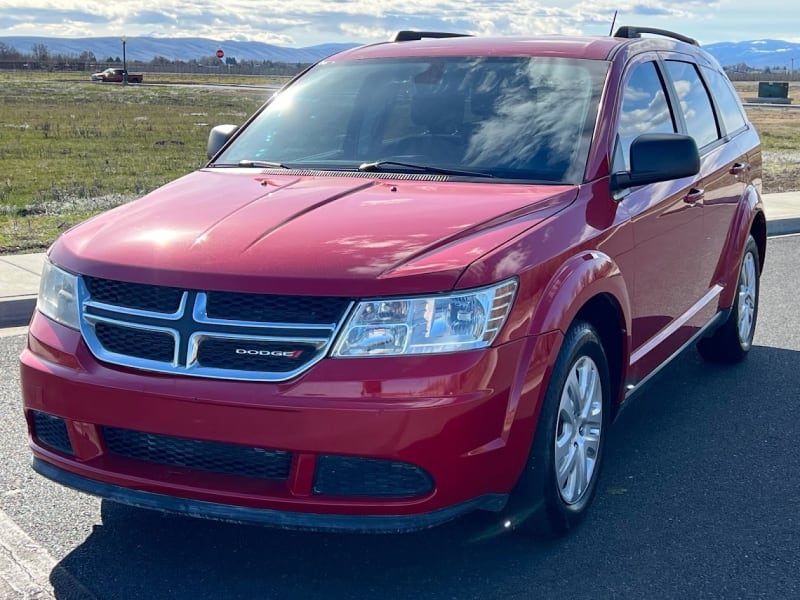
783	226
16	310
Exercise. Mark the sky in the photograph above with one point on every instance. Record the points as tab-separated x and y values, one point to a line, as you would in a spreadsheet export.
298	23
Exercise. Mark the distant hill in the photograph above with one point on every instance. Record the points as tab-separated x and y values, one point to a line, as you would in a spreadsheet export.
184	49
754	53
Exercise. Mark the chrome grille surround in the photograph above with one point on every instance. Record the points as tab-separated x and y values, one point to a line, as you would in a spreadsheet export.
190	326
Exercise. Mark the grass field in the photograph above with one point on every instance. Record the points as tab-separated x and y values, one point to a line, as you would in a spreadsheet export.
70	148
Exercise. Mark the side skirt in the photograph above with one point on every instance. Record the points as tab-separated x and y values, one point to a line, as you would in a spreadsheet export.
633	390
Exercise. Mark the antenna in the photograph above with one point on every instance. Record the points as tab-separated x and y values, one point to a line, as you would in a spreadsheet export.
613	21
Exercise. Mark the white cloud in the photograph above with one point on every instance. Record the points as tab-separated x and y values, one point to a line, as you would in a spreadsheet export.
307	22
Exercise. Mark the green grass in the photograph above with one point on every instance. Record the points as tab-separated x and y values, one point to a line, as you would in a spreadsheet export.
70	149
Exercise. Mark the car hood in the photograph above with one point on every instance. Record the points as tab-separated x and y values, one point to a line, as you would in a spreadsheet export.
246	230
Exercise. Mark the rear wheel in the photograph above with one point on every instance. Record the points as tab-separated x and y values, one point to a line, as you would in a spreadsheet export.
731	342
560	478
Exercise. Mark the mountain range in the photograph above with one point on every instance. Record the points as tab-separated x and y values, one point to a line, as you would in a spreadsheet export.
184	49
754	53
759	54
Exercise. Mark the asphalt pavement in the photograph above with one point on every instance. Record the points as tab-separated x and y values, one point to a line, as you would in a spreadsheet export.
19	274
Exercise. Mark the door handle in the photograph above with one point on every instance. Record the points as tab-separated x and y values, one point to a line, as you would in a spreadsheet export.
694	197
739	168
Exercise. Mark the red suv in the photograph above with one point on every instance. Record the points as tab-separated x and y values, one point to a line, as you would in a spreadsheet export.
421	280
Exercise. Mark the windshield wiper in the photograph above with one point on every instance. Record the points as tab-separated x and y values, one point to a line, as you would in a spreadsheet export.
263	164
379	164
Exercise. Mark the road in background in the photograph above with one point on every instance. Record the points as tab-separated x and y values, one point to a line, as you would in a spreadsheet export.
699	498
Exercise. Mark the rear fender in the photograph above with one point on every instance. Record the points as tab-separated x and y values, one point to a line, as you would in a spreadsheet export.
741	225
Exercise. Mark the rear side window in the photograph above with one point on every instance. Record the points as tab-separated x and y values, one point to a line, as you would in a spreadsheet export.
644	110
730	109
695	103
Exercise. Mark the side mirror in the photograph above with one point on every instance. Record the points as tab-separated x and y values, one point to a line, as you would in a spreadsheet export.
218	137
658	157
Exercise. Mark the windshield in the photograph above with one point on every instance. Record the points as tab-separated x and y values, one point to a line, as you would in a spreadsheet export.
527	118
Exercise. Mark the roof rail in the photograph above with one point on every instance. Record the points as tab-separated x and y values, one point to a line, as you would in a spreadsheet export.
633	31
408	36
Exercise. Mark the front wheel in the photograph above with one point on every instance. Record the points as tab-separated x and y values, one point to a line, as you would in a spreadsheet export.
732	341
560	478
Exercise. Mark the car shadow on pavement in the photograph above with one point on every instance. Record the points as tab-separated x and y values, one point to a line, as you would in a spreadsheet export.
137	553
690	495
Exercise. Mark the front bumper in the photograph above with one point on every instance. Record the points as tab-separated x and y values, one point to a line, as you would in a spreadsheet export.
262	516
463	420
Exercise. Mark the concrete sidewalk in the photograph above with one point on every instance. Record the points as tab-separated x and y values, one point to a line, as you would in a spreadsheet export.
19	274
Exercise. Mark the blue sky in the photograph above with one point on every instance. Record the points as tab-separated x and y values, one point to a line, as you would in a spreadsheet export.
309	22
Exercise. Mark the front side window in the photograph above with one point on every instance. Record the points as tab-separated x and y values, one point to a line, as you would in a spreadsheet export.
695	103
644	110
522	118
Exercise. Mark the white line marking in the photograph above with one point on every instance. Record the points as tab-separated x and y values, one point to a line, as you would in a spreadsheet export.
25	566
11	331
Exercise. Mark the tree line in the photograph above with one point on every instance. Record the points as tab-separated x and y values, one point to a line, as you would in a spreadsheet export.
40	58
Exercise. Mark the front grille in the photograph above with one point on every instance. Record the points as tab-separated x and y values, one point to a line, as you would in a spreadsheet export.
275	309
369	477
51	431
141	343
225	335
153	298
275	357
199	455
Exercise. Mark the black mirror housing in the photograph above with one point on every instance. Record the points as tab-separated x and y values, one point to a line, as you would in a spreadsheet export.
658	157
218	137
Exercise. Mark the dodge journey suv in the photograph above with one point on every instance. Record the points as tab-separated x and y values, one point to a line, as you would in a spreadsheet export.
420	281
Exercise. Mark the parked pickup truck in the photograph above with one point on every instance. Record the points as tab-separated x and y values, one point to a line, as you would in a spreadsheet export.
117	75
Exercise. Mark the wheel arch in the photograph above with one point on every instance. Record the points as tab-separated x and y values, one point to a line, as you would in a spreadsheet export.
748	220
604	314
590	286
759	232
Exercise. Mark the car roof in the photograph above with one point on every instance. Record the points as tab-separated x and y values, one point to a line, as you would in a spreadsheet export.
585	47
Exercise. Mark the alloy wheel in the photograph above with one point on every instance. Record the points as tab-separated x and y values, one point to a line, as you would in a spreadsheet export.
747	299
578	429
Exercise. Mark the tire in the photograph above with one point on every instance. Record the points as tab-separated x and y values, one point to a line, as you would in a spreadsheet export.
731	342
560	477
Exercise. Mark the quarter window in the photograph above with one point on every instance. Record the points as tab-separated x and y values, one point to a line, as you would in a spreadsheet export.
694	101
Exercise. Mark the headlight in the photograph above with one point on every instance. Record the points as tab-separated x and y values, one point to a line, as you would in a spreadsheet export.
448	323
58	295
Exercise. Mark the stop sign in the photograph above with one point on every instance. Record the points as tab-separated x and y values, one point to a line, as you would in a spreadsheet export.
220	53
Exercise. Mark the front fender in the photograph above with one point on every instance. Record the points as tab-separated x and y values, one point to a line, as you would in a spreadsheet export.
586	275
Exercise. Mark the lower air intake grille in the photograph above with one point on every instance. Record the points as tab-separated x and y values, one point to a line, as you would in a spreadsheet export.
216	457
369	477
51	431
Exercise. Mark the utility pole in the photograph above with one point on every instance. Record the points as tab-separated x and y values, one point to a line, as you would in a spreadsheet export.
124	62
